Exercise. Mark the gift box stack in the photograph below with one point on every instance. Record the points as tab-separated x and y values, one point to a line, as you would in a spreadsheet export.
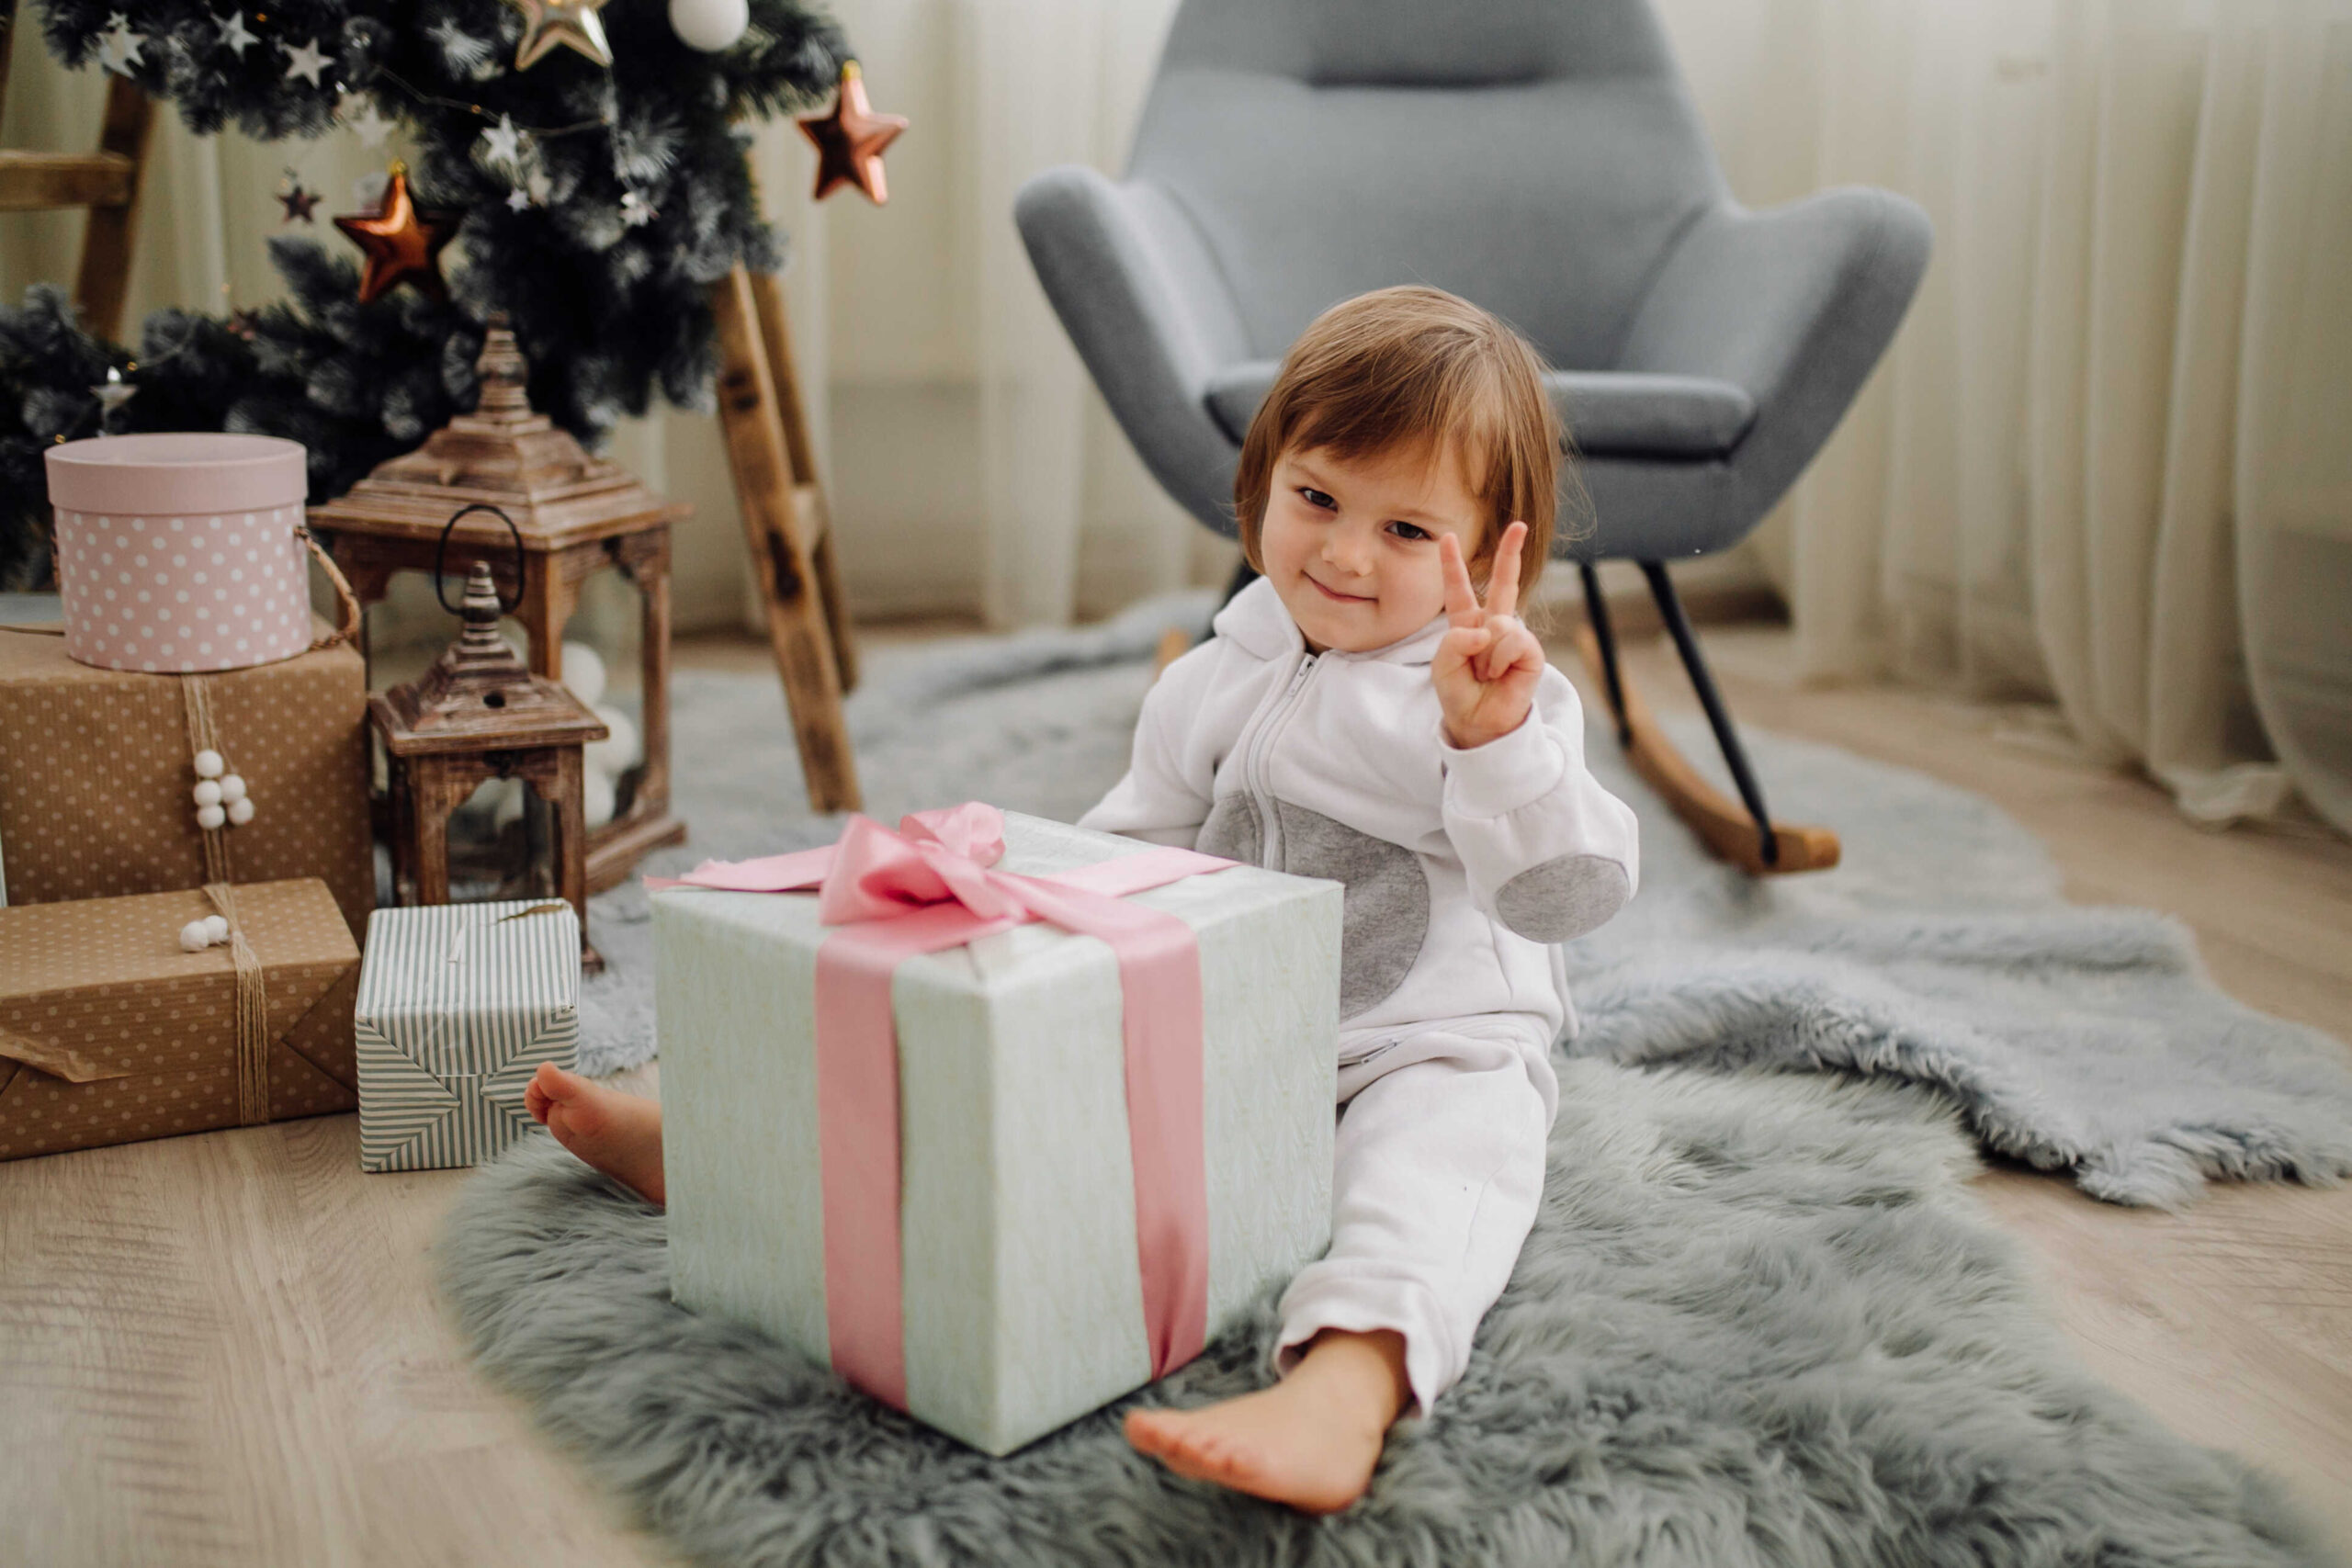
995	1157
187	863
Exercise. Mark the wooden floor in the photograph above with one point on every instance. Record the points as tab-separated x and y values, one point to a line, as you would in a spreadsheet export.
226	1348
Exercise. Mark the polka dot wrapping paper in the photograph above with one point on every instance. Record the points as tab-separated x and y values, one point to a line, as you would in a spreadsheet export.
181	552
110	1033
96	769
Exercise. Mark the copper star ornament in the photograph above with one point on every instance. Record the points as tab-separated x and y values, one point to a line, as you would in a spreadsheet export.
402	243
850	139
299	203
572	23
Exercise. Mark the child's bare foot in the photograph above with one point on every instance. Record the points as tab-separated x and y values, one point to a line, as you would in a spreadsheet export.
1311	1441
618	1133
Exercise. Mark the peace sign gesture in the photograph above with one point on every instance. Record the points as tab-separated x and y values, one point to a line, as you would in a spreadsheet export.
1488	665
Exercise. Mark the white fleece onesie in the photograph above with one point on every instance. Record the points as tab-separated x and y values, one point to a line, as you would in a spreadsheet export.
1462	870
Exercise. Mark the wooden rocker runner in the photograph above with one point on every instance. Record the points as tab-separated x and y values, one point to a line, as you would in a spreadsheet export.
1741	833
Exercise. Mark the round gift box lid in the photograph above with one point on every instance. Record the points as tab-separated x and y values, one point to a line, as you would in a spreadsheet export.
197	472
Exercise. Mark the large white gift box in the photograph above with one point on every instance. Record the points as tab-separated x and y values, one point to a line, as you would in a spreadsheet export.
459	1005
1021	1300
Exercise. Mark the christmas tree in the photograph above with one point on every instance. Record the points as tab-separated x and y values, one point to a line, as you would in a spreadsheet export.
591	202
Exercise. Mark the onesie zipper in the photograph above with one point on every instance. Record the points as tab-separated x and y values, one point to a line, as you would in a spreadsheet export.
1261	745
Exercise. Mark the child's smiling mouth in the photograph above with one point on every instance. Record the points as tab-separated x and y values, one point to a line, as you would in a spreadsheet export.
1336	594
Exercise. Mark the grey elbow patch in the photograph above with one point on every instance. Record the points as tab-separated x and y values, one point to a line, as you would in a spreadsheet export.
1564	897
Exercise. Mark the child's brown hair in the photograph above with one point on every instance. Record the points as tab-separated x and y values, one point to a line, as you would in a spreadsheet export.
1407	365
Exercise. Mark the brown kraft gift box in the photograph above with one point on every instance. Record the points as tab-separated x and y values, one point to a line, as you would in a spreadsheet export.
110	1033
96	769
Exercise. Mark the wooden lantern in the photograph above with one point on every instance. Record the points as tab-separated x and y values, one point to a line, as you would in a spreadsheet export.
478	715
576	515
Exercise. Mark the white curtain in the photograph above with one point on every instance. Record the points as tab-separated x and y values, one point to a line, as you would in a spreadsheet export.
2108	461
2109	458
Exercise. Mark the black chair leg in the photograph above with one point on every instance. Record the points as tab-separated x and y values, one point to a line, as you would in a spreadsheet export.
1677	626
1596	609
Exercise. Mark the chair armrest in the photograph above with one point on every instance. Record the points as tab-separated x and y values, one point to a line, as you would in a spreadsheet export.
1143	301
1794	304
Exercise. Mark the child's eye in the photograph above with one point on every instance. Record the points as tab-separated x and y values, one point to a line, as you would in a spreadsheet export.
1411	532
1316	498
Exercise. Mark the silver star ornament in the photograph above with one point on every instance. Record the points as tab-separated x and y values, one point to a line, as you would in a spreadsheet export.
118	48
232	34
305	62
502	143
365	122
113	392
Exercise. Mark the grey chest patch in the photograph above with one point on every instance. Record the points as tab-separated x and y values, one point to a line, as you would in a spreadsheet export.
1231	831
1385	911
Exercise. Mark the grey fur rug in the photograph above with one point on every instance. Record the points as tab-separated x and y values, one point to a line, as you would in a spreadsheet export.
1759	1320
1759	1323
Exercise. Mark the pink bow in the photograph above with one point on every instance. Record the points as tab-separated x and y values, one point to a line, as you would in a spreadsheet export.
932	886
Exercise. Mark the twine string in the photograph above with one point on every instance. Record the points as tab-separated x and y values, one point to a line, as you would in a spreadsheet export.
252	1013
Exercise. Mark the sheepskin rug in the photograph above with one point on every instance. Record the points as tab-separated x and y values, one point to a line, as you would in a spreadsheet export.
1760	1320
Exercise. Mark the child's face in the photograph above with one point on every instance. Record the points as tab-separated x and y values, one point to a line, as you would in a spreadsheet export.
1350	542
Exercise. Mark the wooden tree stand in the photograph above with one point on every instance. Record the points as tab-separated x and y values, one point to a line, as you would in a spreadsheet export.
787	528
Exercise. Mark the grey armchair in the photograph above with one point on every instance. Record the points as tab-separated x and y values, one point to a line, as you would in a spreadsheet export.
1539	157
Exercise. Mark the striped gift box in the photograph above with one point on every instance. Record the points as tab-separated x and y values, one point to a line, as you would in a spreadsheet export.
459	1005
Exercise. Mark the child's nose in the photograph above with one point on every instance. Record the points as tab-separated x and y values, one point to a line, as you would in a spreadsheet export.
1346	552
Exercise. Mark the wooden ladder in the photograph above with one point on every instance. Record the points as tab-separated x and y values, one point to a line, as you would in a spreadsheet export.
786	525
107	182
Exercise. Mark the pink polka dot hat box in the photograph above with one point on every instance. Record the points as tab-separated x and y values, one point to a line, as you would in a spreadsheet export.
178	553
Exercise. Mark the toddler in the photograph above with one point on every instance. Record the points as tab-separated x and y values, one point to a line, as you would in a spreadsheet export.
1362	714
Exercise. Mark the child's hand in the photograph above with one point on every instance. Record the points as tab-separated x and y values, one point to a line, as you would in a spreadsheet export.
1486	668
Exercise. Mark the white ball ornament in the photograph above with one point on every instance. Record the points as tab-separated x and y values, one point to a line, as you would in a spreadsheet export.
209	764
216	927
194	938
207	793
241	811
596	798
233	789
209	817
583	672
619	750
709	25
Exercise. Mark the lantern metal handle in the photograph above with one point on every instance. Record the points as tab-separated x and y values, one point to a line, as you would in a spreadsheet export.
441	553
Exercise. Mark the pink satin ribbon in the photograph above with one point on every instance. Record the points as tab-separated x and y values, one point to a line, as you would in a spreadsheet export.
931	886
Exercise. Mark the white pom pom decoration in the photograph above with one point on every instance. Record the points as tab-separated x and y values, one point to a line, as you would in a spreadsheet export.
583	672
709	25
618	751
219	794
595	796
194	938
216	927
